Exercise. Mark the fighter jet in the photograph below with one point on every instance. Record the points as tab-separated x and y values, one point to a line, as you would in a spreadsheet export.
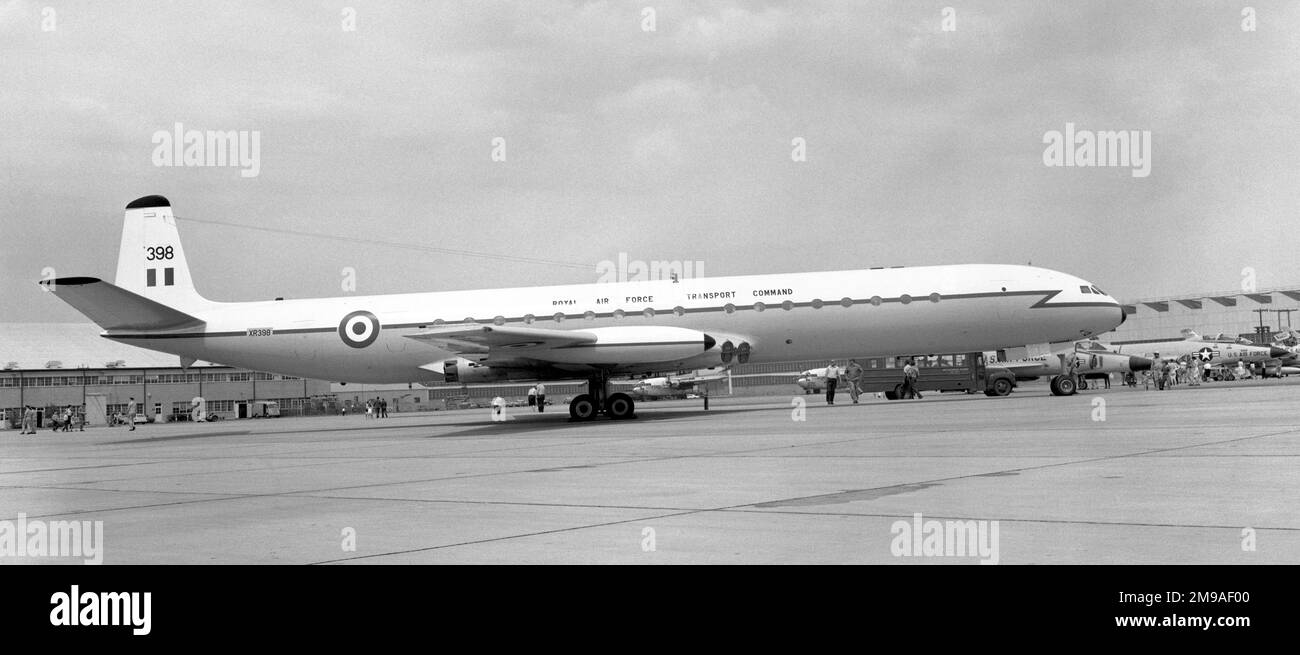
1084	358
677	386
1219	351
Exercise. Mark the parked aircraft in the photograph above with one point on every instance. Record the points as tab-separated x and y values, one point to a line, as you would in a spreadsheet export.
677	386
591	331
1218	351
1084	358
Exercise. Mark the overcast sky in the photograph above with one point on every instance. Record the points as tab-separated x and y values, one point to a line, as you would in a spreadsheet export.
922	146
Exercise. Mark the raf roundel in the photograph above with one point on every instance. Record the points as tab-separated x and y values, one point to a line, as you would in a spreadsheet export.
359	329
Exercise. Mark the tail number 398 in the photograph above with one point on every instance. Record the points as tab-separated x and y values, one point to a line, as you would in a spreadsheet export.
158	252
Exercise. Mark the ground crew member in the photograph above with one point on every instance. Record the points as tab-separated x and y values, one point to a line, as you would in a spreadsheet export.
853	374
833	374
910	375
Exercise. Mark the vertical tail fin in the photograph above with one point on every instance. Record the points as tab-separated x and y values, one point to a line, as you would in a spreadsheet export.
151	261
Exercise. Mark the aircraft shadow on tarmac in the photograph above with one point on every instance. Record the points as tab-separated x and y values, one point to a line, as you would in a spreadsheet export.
480	426
176	437
521	422
536	422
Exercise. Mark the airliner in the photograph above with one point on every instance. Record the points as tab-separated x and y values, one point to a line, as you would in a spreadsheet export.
592	331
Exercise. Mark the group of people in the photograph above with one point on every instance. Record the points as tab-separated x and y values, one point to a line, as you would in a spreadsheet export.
537	397
62	420
852	374
1169	373
377	408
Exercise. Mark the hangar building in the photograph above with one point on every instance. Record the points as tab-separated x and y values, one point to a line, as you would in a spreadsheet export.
54	365
1256	316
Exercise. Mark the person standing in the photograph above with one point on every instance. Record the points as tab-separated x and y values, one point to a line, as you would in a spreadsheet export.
541	397
910	376
833	374
27	420
369	409
130	414
383	408
532	396
853	374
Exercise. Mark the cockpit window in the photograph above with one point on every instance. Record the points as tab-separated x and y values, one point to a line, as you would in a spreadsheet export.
1084	289
1098	291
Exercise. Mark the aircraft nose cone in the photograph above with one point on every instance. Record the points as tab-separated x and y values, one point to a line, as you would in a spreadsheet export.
709	342
1275	352
1123	316
1139	364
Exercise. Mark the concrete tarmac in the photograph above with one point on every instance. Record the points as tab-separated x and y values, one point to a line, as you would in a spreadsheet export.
1192	475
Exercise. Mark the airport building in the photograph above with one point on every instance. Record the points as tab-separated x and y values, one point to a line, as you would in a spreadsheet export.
1256	316
55	365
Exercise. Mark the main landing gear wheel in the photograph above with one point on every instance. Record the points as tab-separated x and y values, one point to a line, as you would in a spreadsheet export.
582	408
1083	384
1062	385
619	405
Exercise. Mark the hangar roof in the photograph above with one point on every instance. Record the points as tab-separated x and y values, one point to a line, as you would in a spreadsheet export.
75	345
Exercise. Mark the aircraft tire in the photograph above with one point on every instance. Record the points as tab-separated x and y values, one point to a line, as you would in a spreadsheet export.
582	408
1083	384
1063	385
620	406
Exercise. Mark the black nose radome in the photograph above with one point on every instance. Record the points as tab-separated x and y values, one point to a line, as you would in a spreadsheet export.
709	342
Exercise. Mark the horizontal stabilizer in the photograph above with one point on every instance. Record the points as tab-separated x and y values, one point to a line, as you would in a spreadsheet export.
114	308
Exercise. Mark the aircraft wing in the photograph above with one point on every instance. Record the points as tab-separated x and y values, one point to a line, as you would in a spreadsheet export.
604	347
483	339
